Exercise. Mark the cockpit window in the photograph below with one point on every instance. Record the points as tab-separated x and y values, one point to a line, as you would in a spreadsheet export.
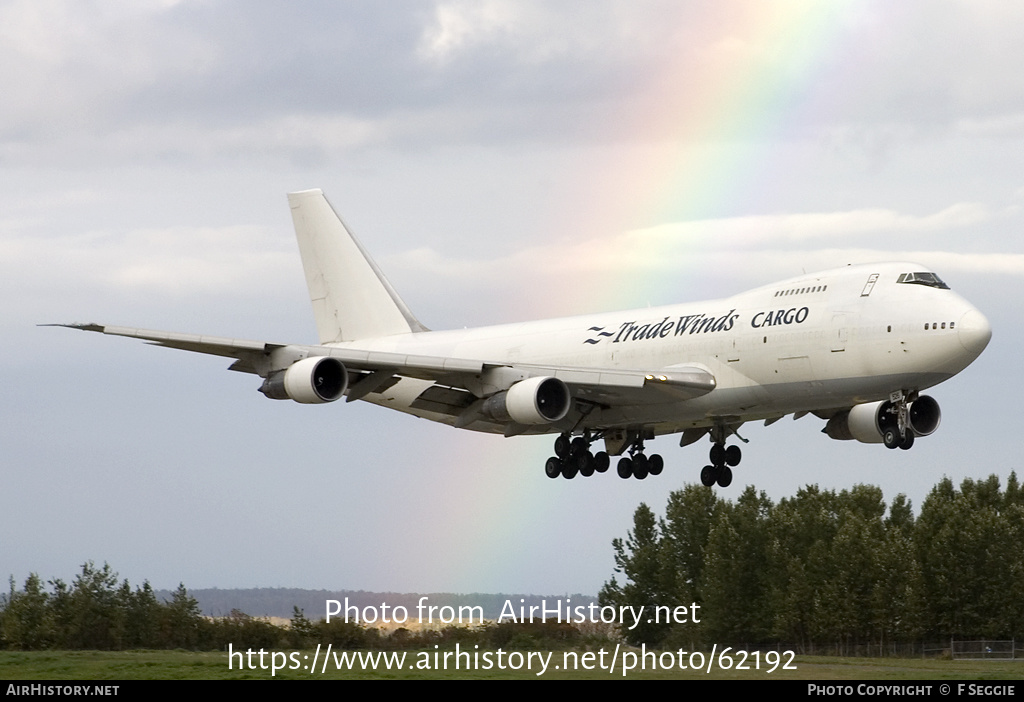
929	279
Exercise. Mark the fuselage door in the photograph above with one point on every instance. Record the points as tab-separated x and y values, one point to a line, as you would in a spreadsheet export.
869	286
839	332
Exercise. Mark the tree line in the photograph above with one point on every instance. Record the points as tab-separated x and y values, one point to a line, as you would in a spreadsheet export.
828	570
822	569
97	612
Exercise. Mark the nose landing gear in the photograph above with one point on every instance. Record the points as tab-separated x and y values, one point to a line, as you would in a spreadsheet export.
898	432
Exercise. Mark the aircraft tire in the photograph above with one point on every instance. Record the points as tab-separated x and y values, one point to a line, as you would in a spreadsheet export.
655	464
553	467
625	468
718	455
733	454
707	476
724	476
601	462
640	466
562	446
585	463
569	470
891	438
908	440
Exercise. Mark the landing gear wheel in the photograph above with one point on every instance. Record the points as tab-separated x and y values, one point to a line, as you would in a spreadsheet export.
625	468
585	463
724	476
569	470
908	440
655	464
553	467
562	445
891	438
640	466
601	462
707	476
718	455
733	456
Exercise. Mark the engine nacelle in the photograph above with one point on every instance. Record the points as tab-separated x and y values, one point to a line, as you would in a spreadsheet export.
311	381
541	400
867	423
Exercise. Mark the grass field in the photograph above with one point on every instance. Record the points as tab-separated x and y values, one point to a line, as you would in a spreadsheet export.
185	665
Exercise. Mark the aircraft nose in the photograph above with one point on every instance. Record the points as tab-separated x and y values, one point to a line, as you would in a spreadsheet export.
974	331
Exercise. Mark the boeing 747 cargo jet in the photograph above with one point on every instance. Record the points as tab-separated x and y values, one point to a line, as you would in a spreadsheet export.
854	346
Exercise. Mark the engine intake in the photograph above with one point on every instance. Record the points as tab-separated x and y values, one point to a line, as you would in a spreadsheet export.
540	400
311	381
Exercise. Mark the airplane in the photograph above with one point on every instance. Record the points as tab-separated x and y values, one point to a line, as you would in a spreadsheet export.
854	346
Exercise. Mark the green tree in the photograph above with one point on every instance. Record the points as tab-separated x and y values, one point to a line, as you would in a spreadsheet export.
737	596
639	559
92	616
26	621
689	516
181	621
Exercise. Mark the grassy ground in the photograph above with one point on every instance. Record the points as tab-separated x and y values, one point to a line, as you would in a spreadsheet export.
167	665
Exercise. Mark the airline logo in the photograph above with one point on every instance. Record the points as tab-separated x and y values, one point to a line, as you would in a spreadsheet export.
686	324
773	318
693	324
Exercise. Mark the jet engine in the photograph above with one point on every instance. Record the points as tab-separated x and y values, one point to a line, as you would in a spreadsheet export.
311	381
868	423
541	400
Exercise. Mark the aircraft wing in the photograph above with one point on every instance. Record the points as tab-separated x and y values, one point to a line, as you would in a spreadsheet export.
602	386
252	355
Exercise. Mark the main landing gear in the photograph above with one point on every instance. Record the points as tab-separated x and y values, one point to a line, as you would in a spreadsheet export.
723	460
638	465
573	456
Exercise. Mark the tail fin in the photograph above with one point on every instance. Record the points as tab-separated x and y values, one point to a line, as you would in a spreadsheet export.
351	297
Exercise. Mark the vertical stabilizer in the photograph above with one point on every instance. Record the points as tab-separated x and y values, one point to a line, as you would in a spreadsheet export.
351	297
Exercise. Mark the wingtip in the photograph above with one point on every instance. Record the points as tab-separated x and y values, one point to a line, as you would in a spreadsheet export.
90	326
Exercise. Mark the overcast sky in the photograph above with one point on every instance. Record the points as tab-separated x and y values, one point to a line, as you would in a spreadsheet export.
502	161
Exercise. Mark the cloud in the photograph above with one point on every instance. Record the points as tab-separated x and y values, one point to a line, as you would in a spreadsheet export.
178	262
124	81
684	245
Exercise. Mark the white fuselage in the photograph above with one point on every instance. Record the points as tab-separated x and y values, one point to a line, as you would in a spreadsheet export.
823	341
